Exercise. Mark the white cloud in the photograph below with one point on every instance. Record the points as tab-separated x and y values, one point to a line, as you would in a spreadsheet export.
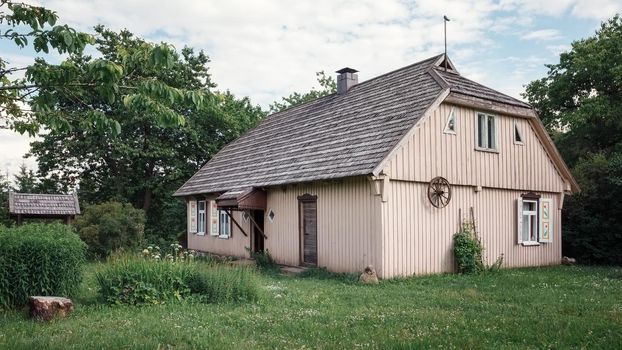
542	35
597	9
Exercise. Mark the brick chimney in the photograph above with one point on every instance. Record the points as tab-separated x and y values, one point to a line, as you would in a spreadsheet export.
346	79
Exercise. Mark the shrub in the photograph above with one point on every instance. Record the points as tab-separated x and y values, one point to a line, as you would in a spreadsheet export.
222	283
134	281
468	251
264	261
110	226
39	259
140	281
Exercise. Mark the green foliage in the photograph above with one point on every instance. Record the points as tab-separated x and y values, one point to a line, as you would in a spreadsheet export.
264	261
580	102
81	79
143	281
146	162
468	251
109	226
592	221
222	283
5	219
327	87
39	259
138	281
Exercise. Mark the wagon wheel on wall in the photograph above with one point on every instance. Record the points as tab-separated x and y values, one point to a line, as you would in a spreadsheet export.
439	192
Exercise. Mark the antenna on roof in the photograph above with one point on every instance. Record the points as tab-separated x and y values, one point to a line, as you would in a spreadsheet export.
445	20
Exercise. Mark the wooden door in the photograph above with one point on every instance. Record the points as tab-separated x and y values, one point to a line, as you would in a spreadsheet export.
308	229
258	238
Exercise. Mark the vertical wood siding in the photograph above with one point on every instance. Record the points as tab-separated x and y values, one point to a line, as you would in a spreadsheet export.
430	153
417	238
348	224
234	246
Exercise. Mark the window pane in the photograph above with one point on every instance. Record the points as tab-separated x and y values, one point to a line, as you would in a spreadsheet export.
481	129
491	132
533	229
526	225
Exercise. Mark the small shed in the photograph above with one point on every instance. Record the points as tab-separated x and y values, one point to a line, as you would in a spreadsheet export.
43	206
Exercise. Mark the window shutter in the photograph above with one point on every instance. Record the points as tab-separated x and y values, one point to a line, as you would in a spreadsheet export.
213	218
546	220
519	220
192	216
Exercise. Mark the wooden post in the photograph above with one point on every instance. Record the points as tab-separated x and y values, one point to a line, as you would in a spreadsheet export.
19	219
235	222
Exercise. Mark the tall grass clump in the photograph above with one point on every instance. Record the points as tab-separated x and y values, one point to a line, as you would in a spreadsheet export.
224	283
39	259
134	280
152	279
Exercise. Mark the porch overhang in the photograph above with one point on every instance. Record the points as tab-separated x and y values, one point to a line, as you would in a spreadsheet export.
250	198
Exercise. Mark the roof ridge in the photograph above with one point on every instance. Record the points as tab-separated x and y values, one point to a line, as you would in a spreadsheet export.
522	103
357	85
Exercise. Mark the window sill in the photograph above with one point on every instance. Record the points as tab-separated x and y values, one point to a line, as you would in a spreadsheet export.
223	237
519	143
530	244
200	233
487	150
449	132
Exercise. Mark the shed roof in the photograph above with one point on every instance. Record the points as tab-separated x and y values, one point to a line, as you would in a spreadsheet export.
338	135
43	204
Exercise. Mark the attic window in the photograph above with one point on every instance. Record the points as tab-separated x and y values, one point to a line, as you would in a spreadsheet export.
450	125
271	215
518	137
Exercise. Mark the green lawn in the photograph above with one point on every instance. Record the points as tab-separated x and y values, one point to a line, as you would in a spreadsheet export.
557	307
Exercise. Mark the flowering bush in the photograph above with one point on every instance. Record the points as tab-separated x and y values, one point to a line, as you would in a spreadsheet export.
158	276
175	254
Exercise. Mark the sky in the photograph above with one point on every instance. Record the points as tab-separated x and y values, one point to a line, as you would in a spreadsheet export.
266	49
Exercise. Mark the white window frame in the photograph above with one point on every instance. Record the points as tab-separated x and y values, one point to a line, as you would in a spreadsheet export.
451	117
485	145
224	224
201	218
531	215
520	135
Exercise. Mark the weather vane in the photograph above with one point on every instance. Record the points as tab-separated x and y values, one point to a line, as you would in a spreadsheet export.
445	23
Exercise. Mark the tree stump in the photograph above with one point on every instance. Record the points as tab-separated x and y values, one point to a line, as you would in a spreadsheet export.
47	308
369	276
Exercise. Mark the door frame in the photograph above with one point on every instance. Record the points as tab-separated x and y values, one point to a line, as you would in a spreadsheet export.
254	233
306	198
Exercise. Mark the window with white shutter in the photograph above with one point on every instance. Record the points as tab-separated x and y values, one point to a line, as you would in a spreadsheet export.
192	216
214	229
201	217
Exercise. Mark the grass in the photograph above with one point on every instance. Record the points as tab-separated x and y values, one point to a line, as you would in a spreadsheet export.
555	307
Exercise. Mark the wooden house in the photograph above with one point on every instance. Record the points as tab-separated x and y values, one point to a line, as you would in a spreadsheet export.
383	172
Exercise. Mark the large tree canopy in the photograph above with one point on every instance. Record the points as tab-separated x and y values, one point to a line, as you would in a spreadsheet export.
580	102
27	103
146	161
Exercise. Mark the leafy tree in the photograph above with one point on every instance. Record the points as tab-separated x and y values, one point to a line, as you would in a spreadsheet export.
580	102
46	85
145	162
4	201
109	226
25	180
327	87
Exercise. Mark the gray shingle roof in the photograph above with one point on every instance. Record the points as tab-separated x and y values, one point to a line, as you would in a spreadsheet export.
332	137
462	85
43	204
